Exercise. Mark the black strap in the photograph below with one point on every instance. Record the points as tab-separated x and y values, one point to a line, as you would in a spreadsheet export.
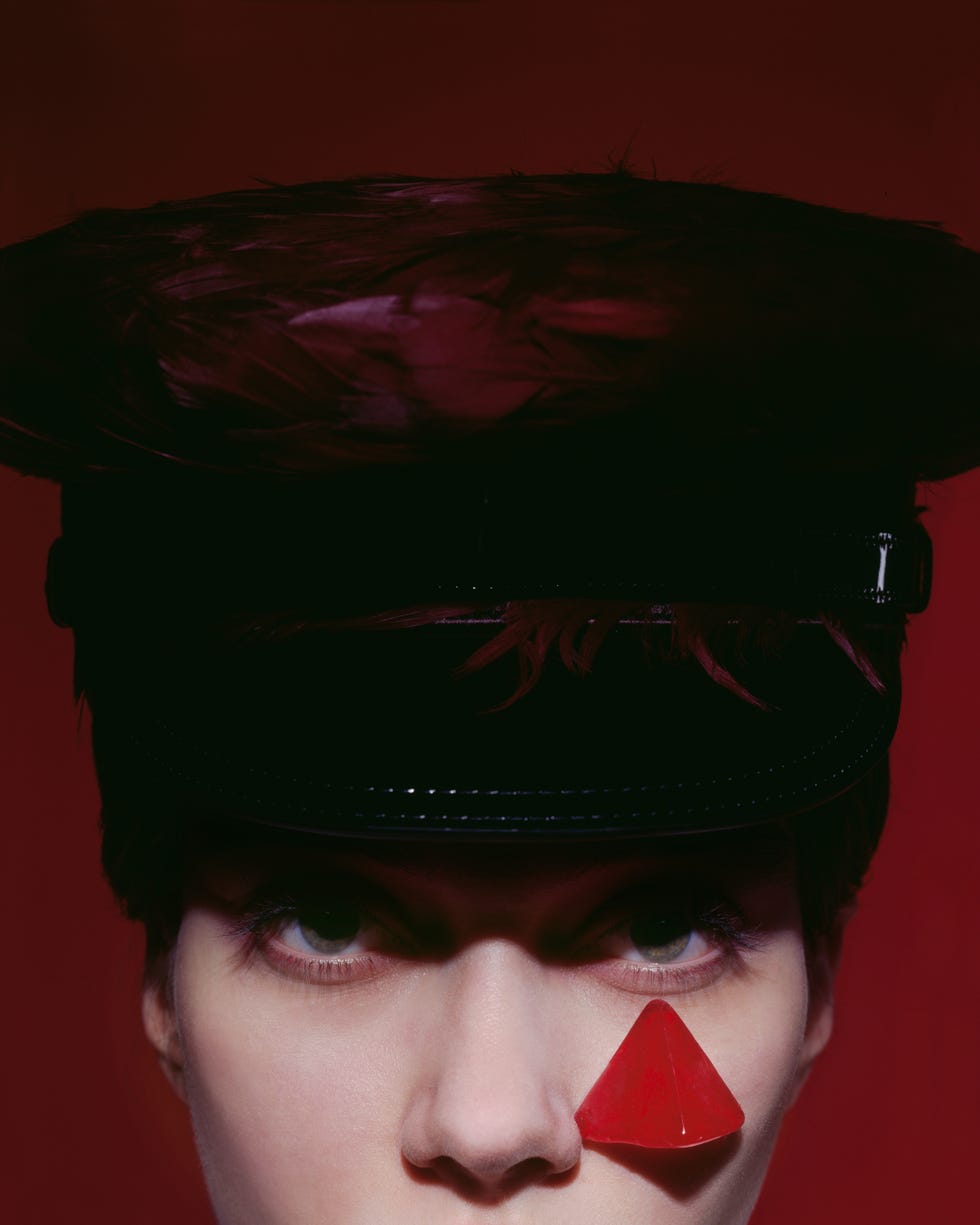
340	547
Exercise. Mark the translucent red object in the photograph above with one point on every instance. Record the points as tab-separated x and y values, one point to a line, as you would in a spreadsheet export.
659	1090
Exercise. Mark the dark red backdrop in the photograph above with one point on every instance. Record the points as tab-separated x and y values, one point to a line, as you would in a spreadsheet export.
850	104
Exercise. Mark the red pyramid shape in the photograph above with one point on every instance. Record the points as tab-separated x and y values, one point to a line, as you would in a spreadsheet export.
659	1090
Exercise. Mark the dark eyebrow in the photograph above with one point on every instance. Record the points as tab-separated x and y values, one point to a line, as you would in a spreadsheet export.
315	885
684	891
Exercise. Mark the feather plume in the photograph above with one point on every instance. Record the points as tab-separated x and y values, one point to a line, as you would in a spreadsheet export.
576	628
301	329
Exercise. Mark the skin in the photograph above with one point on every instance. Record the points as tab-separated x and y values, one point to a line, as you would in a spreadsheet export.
437	1083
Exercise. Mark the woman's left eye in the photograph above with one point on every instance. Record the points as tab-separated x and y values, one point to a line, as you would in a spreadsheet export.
665	940
659	940
325	931
664	950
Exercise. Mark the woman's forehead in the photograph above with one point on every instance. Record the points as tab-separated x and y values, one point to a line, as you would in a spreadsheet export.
760	850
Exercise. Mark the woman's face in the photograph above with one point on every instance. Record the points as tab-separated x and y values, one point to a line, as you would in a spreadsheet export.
404	1035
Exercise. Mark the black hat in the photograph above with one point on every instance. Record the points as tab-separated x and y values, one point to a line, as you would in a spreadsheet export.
322	445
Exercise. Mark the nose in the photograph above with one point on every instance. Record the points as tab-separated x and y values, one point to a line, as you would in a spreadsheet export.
489	1114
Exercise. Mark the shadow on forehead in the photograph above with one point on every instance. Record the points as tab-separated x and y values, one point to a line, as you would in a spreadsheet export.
762	847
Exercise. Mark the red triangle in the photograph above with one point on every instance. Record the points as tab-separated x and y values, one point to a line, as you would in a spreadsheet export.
659	1090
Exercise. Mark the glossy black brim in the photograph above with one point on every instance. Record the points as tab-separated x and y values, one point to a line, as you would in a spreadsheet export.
374	734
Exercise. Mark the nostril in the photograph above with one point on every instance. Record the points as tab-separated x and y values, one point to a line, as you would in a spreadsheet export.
492	1186
458	1178
535	1170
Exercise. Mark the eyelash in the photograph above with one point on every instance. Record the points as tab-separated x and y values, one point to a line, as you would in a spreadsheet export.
724	926
721	923
257	928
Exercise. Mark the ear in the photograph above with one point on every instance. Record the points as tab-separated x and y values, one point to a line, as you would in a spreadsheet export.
822	963
160	1023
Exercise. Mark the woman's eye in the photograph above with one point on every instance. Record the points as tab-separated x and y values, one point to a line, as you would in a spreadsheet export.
661	951
664	940
319	940
327	930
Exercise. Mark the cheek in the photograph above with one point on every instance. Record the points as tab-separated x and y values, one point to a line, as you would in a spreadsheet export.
284	1090
752	1028
756	1032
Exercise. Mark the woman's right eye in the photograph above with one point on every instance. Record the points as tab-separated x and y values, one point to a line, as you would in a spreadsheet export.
317	939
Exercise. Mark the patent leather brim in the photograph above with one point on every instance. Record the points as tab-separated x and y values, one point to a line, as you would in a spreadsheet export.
374	734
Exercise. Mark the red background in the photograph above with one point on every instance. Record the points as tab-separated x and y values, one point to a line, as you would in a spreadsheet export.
867	106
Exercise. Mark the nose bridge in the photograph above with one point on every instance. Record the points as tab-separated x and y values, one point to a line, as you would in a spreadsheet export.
494	1097
498	1022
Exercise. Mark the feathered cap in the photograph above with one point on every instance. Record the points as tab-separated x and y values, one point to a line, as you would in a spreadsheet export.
344	463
